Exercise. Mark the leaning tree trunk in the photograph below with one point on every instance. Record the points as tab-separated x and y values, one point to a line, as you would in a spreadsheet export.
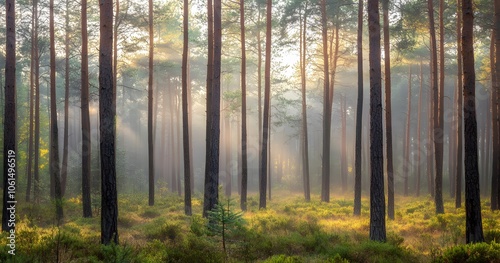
473	222
107	113
359	114
377	198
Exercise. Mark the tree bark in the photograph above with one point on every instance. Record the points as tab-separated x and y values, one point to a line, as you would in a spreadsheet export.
54	132
265	123
84	100
9	134
325	174
473	222
185	116
107	113
437	125
305	137
36	172
388	111
407	164
151	167
419	133
377	198
244	154
211	195
64	167
344	164
495	99
359	114
459	160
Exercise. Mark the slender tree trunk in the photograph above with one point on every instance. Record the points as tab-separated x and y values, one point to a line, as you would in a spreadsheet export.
84	100
107	113
54	137
430	145
305	137
178	141
151	167
359	114
36	172
185	117
29	167
388	112
116	25
407	164
458	177
437	128
344	163
473	222
377	198
227	142
419	133
64	167
244	156
9	134
259	80
266	116
213	114
325	175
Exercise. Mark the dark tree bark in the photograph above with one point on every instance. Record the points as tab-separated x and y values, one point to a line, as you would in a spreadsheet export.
185	117
54	132
325	173
213	113
377	198
244	156
177	158
407	164
459	159
388	111
64	166
473	222
266	116
303	79
437	125
495	100
9	134
36	172
430	144
151	166
29	168
419	133
359	114
84	100
107	112
116	25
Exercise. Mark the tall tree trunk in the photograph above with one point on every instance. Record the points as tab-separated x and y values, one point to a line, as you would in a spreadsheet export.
36	172
107	113
419	133
54	132
452	145
407	164
377	198
265	123
151	167
305	137
259	80
213	113
84	100
430	145
227	142
344	163
178	140
325	174
473	222
185	117
29	167
495	100
64	167
9	134
437	125
244	156
388	111
359	114
116	25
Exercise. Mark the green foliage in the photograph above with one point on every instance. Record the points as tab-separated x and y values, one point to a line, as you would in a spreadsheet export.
282	259
478	252
222	221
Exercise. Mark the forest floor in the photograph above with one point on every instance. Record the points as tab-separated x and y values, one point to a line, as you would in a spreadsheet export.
289	230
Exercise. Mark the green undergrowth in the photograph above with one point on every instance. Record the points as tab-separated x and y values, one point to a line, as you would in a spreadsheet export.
290	230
